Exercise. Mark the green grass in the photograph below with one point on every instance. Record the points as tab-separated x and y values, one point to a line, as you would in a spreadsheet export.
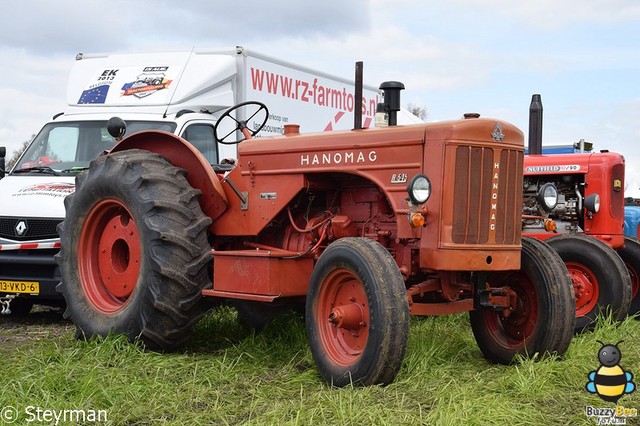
230	375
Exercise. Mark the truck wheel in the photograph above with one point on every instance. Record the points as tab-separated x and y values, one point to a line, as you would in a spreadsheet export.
630	255
600	279
134	251
357	314
544	316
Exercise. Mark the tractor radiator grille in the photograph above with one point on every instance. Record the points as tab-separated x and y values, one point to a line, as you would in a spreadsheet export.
617	195
487	202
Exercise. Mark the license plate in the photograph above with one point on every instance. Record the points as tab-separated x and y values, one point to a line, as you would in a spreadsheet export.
30	287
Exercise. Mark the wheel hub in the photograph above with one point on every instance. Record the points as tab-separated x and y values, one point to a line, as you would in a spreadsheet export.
109	255
521	321
344	310
119	256
585	287
350	317
513	325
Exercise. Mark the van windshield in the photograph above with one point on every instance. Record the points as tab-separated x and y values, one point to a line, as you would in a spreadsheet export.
67	147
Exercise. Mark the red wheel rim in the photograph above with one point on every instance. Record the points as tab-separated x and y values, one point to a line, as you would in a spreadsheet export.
513	330
343	317
634	281
585	286
109	255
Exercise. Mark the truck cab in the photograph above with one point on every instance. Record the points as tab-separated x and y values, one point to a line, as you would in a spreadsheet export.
32	194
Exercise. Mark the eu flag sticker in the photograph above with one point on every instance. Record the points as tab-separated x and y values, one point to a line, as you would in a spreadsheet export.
96	95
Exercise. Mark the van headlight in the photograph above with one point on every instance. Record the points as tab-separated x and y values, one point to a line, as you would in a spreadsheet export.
548	196
419	189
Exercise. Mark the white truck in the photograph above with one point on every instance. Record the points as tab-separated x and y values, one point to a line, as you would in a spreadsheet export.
182	92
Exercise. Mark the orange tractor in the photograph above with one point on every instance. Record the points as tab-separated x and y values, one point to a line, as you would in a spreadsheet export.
575	203
366	227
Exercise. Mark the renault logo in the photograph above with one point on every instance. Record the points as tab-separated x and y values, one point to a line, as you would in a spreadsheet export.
21	228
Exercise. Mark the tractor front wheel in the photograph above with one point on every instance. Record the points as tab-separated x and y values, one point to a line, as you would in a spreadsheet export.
134	253
543	317
357	314
600	278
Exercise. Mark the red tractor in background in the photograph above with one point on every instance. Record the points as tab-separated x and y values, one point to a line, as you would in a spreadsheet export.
366	227
575	203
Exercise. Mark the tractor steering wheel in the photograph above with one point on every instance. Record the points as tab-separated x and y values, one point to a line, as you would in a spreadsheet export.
242	124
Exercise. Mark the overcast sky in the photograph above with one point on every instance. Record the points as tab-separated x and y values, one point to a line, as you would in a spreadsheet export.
582	56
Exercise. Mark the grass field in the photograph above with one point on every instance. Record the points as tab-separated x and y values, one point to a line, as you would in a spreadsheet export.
228	374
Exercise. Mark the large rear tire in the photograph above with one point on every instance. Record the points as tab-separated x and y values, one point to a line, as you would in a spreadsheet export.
134	251
357	314
600	278
544	316
630	255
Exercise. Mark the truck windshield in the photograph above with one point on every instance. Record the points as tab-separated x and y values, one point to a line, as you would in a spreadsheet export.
67	147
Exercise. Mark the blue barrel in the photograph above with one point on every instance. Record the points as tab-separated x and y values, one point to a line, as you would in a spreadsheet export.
631	220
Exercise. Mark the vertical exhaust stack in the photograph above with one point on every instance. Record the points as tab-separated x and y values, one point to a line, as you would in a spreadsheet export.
535	125
357	111
3	153
391	90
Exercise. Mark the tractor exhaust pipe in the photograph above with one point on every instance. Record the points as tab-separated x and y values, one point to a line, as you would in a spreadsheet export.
3	153
535	125
357	112
391	93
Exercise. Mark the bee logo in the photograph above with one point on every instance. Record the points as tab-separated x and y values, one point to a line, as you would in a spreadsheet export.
610	382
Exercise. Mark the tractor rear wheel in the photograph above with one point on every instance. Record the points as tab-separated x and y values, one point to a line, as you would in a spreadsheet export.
134	254
630	255
600	278
357	314
544	315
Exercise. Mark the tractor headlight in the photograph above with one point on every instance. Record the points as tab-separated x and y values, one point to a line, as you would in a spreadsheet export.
548	196
419	189
592	203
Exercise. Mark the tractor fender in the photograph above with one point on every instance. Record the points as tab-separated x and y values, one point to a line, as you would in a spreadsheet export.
182	154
